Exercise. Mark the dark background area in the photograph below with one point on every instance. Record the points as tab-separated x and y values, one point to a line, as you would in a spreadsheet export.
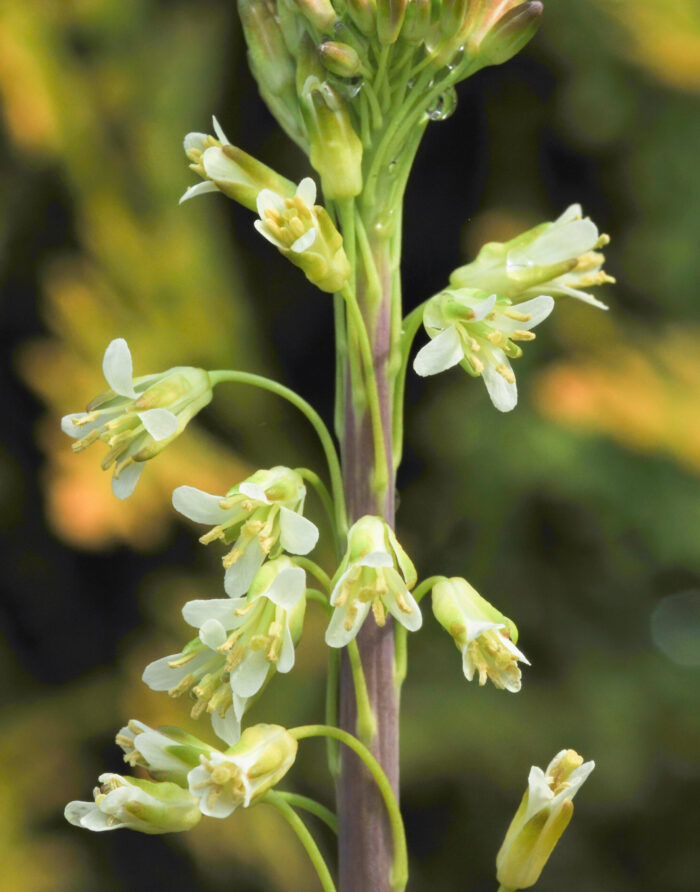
577	514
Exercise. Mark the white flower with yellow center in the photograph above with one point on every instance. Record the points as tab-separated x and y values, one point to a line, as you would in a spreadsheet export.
289	223
137	417
256	634
485	638
481	333
135	804
239	777
543	815
375	574
559	259
261	516
166	754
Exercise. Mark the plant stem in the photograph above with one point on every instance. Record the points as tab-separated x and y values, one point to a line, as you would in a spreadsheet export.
317	572
296	800
279	801
221	375
399	872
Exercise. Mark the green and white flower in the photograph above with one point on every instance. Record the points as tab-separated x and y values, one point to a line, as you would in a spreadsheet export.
376	573
137	417
136	804
228	169
558	259
257	633
168	754
480	332
543	815
261	516
485	637
200	669
243	774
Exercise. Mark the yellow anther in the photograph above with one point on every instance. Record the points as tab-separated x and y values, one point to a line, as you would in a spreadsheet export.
379	612
234	658
182	686
506	373
350	616
518	317
182	660
522	335
134	758
497	338
402	603
214	533
476	364
199	708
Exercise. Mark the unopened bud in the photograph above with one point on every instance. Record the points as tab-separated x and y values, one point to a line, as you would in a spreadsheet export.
390	17
320	13
417	22
335	148
510	33
364	14
340	58
270	60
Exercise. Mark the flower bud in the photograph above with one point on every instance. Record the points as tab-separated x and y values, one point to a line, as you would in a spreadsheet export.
484	636
146	806
510	34
390	17
269	58
543	815
230	170
376	573
319	13
335	148
452	13
364	15
340	58
417	22
245	772
558	259
138	417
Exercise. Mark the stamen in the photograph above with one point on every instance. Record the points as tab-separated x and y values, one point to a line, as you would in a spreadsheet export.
182	686
506	373
518	317
379	612
522	335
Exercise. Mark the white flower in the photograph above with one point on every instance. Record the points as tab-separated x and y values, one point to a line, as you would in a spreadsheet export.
263	516
166	754
289	223
201	670
482	634
146	806
543	815
559	259
480	331
257	633
137	417
245	772
228	169
376	573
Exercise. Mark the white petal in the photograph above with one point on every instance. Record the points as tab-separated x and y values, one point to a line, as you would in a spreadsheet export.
118	369
218	166
266	234
159	676
517	653
151	744
336	633
297	534
411	621
538	309
573	212
443	352
559	243
254	491
97	821
212	633
287	587
482	310
561	290
202	507
304	242
239	576
75	811
198	189
160	423
477	627
286	660
306	190
376	559
228	727
504	394
195	140
220	135
124	485
268	200
223	610
249	675
539	793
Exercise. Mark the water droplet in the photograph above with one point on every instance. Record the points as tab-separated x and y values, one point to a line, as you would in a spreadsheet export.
444	107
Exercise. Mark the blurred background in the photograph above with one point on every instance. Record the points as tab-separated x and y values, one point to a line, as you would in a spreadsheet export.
578	514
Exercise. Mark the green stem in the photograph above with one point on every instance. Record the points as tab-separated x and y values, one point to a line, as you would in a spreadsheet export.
317	572
420	591
399	871
278	801
410	327
313	594
326	500
366	719
221	375
324	814
332	687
